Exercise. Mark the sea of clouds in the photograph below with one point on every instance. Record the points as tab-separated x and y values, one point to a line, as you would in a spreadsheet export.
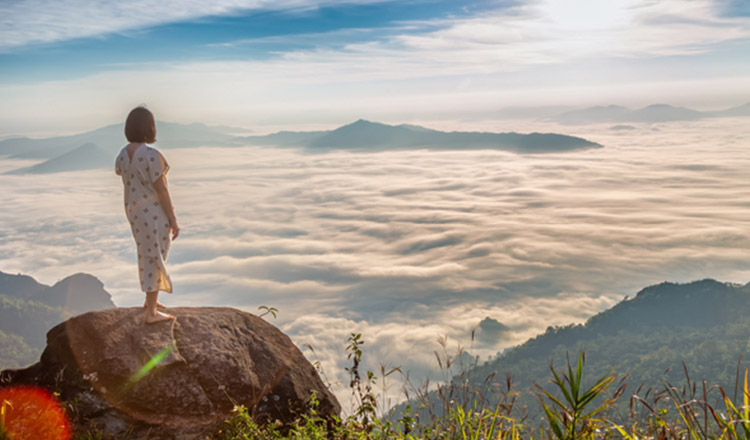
408	246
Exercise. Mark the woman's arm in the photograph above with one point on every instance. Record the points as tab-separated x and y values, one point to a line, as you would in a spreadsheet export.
162	192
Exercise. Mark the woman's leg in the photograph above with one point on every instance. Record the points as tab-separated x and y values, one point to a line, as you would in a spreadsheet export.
158	305
152	314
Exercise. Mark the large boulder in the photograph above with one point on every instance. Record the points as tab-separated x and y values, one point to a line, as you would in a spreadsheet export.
174	379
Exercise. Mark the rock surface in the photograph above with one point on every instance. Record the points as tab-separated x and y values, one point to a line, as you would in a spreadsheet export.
174	379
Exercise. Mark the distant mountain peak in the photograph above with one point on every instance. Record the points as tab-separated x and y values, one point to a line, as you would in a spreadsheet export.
81	278
359	123
660	106
653	113
77	293
83	157
490	330
364	135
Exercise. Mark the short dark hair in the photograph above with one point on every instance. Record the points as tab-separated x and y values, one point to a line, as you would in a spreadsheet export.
140	126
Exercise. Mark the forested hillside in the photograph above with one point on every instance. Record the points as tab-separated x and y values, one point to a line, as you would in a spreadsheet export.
705	324
28	309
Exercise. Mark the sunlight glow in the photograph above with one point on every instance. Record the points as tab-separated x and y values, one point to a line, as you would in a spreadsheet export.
587	15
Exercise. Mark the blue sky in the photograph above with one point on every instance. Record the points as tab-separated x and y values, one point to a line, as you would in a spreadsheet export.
303	62
240	35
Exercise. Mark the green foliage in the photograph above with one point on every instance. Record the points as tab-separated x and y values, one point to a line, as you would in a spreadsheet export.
273	311
576	412
28	319
15	353
694	410
23	326
362	388
571	417
241	426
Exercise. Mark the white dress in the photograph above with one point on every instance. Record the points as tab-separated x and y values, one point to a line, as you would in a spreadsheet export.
148	221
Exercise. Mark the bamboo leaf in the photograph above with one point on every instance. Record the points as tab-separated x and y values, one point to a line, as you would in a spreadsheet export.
579	370
553	421
561	385
553	399
572	380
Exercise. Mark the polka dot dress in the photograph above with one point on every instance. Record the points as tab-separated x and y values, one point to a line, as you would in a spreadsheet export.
148	221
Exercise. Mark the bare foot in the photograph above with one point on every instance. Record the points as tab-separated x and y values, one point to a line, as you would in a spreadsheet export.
158	304
158	317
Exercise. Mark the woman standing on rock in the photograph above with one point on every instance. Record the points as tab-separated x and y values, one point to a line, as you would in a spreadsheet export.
148	207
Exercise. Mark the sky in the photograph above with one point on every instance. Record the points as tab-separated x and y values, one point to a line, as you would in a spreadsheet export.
403	246
72	65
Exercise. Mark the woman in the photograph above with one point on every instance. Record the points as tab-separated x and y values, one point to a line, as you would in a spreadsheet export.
148	207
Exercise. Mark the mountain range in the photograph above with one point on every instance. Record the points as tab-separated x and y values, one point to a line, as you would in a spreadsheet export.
651	114
91	149
112	138
28	309
97	149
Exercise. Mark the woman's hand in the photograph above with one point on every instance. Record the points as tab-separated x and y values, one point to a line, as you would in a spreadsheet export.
174	228
162	192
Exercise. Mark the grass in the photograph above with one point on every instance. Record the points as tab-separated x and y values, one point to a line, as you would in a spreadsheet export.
572	407
461	411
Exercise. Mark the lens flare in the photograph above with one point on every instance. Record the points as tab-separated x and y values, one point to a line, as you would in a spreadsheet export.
32	413
152	363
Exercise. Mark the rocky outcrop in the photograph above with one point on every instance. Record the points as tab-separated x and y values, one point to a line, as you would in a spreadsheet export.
174	379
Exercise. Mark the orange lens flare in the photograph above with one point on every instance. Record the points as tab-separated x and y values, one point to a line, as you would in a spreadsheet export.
32	413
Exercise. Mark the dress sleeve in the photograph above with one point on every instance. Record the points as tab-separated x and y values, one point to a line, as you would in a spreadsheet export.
156	164
118	164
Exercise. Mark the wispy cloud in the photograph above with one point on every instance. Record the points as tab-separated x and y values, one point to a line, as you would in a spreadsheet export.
547	32
525	33
26	22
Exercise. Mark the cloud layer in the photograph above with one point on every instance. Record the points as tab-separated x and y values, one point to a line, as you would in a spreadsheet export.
411	245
